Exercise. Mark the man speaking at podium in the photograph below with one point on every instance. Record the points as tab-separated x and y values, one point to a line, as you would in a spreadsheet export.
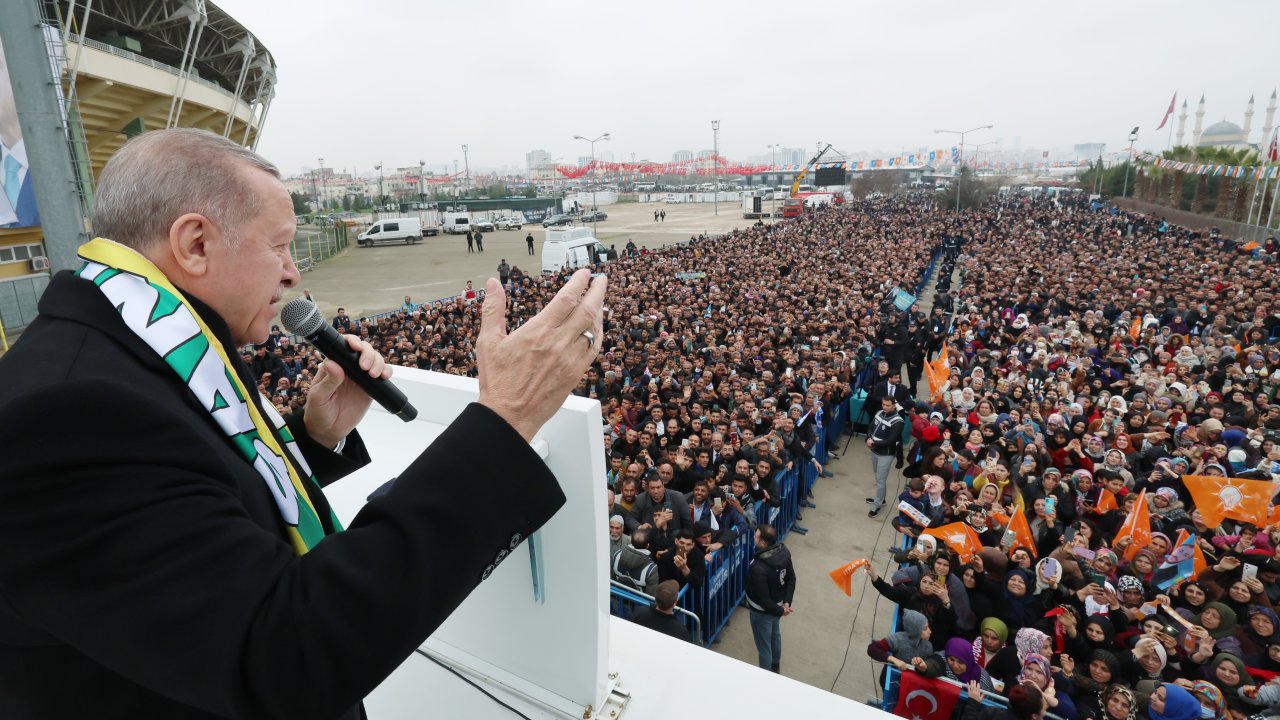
167	550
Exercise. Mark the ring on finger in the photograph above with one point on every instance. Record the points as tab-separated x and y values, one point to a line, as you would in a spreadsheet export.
591	339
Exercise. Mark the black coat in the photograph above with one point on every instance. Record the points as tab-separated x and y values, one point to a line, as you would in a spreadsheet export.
146	572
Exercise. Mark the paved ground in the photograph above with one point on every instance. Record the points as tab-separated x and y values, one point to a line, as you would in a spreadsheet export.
825	640
371	280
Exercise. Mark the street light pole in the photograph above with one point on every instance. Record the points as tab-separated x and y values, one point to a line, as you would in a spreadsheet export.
323	181
715	157
467	164
1133	136
382	198
960	168
595	215
773	191
422	193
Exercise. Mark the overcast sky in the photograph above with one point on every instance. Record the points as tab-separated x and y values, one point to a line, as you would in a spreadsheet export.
402	80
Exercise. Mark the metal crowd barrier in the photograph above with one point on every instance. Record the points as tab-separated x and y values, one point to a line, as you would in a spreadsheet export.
726	581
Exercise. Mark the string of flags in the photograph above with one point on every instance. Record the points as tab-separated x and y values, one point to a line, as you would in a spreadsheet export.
714	164
1256	172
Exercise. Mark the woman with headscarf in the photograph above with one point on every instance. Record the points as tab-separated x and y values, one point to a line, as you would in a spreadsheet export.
1228	673
1118	703
1096	633
1213	706
1007	664
1090	680
1191	596
1022	608
1171	702
1262	628
1220	622
1036	670
957	662
979	589
1149	664
992	635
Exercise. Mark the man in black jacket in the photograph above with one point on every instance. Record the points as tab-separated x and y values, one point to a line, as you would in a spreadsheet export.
885	442
662	617
771	586
148	563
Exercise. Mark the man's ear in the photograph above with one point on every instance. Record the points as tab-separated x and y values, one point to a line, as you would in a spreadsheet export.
190	240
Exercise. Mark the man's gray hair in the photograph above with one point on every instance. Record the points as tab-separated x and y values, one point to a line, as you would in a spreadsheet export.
162	175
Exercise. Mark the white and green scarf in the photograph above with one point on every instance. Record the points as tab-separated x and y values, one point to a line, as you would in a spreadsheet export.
157	313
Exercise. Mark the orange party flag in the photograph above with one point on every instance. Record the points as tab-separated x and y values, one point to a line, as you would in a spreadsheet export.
1135	330
960	538
843	575
1218	498
1106	502
1136	527
1021	534
1199	562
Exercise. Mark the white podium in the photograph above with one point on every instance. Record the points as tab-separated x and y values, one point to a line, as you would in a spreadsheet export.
537	634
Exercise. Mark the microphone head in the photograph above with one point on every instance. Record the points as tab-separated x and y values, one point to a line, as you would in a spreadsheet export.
300	316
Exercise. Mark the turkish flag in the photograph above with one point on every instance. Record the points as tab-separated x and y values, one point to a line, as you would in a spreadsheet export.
921	698
1224	497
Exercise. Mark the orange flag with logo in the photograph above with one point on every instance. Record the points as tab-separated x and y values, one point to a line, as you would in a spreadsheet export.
1136	527
1274	518
843	575
1135	330
1021	534
1106	502
1218	498
961	538
941	370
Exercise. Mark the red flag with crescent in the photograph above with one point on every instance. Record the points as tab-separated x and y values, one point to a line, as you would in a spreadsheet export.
921	698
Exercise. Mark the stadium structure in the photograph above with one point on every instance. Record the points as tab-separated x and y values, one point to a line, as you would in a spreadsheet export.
122	67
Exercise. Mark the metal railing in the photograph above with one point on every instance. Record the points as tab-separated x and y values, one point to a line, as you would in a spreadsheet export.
624	602
135	57
725	585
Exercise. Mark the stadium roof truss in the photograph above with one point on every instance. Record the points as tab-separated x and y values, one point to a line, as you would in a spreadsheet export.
219	76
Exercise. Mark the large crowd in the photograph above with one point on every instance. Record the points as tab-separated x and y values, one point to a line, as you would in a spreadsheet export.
1096	357
1098	360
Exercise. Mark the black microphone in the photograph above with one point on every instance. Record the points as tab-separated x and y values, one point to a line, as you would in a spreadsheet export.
301	317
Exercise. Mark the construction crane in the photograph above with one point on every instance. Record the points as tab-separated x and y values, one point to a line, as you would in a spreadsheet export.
795	186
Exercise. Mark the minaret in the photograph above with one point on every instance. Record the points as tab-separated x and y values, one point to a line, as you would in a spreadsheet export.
1182	121
1248	121
1269	124
1195	134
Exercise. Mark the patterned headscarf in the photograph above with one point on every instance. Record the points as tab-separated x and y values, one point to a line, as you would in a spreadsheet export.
1043	663
1211	691
1029	641
1113	690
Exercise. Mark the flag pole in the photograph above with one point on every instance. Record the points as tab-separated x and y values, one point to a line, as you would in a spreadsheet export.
1261	198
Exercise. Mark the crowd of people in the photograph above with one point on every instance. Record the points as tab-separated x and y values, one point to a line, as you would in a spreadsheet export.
1109	409
1096	358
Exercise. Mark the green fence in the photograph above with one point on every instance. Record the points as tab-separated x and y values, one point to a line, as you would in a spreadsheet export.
314	243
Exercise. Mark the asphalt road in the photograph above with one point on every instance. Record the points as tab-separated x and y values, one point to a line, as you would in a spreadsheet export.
365	281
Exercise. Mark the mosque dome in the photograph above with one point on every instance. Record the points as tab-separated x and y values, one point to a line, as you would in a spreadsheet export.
1222	133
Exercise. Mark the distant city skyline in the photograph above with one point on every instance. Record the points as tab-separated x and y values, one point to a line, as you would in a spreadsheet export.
878	79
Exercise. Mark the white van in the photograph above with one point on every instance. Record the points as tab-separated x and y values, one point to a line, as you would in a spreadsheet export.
573	247
456	223
406	229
